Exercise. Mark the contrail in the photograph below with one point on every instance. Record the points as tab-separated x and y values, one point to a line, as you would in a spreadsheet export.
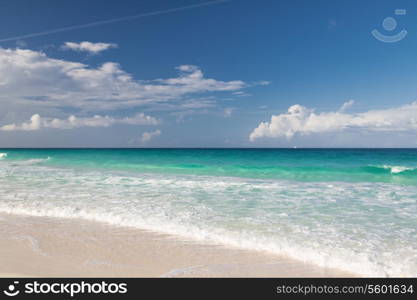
99	23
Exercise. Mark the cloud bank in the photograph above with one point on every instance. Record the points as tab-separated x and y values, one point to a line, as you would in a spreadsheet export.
93	48
31	77
300	120
36	122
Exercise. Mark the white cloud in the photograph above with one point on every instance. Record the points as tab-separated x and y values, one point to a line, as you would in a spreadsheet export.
147	136
92	48
33	124
304	121
31	77
36	122
241	94
346	105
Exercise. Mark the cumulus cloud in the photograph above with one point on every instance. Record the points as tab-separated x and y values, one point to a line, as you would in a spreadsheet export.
32	77
304	121
33	124
90	47
147	136
36	122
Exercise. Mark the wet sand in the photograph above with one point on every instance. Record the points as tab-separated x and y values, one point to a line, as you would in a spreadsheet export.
53	247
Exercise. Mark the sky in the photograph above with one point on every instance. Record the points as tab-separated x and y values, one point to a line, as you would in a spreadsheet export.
183	73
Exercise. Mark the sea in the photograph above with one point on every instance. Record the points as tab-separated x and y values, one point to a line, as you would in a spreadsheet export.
351	209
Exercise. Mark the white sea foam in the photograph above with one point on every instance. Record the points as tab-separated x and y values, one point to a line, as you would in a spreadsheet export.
397	169
3	155
350	226
29	162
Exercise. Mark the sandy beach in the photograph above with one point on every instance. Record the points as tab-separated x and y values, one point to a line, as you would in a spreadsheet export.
208	138
52	247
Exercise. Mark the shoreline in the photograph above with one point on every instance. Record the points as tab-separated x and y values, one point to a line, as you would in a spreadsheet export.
33	246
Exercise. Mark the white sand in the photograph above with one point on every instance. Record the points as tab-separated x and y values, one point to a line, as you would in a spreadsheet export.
51	247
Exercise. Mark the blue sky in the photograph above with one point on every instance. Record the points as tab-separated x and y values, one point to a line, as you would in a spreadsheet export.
236	73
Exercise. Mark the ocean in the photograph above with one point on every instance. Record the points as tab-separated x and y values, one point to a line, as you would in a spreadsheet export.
352	209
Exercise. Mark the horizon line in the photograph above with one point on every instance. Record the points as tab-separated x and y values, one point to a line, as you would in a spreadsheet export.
212	148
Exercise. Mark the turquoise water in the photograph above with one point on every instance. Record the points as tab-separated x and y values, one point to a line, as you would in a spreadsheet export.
354	209
378	165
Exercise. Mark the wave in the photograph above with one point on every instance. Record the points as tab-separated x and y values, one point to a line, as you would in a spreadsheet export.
393	169
320	223
398	174
328	257
355	173
399	169
29	162
24	162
